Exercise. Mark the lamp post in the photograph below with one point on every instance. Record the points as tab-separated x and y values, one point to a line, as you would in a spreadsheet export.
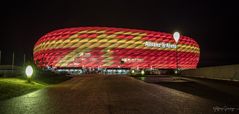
29	72
24	59
0	56
142	72
176	36
12	61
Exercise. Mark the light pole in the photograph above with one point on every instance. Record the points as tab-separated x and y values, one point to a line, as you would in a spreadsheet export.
24	59
176	36
12	61
0	56
142	72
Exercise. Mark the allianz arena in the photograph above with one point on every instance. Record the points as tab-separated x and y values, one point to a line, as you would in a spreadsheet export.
106	47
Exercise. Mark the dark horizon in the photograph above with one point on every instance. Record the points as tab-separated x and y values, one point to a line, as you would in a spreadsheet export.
212	24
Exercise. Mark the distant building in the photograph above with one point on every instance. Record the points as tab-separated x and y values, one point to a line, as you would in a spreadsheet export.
104	47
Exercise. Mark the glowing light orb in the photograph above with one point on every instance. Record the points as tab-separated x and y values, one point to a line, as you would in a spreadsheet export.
29	71
142	72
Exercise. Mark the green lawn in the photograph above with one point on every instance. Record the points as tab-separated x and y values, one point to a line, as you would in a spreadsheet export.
12	87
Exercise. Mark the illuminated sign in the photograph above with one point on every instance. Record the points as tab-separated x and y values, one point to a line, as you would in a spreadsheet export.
160	45
130	60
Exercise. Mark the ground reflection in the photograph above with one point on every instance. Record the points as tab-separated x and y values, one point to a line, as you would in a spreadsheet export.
33	102
193	87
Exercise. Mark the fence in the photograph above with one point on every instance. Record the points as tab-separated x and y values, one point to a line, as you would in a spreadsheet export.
227	72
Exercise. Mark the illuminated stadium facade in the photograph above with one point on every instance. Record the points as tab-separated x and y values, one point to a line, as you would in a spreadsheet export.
114	48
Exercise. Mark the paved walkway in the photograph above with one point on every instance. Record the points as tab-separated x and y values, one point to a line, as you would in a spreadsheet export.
107	95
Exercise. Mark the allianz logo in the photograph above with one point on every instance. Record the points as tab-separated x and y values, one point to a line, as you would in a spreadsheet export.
160	45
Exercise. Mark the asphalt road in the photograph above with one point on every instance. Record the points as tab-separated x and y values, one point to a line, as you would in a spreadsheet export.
113	95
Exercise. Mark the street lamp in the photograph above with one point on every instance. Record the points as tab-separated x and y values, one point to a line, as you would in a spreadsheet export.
176	36
29	72
132	72
142	72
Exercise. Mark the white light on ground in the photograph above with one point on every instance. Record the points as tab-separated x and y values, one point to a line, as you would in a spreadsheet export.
29	71
176	36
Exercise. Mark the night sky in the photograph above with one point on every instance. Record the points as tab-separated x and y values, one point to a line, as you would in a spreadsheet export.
214	25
